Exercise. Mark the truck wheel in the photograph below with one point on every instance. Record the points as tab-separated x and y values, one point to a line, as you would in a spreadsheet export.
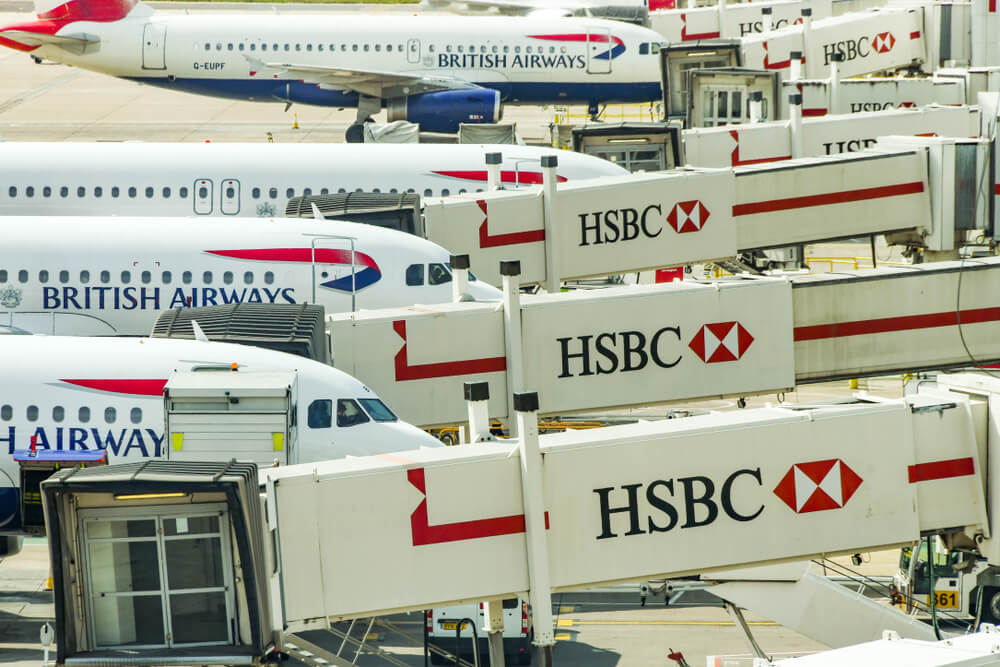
991	605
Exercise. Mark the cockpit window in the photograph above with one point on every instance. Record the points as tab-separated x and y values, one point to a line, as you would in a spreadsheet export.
438	274
349	413
320	413
472	277
378	410
415	275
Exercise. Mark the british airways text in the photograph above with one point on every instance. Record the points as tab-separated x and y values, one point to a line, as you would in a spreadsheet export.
146	298
493	61
143	442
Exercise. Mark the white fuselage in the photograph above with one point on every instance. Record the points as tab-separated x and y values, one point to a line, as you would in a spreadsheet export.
251	180
90	393
113	276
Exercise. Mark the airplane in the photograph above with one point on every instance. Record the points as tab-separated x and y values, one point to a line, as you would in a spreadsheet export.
113	276
245	179
107	393
437	71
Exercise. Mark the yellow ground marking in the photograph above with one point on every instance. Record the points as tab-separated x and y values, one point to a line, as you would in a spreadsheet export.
563	637
567	609
564	623
569	623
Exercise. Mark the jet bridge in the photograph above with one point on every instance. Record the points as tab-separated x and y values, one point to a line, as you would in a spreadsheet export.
344	539
628	346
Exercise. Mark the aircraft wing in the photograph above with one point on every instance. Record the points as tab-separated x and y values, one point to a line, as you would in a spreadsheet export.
373	83
74	43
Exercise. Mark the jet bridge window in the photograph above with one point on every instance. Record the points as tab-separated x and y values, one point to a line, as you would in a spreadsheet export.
349	413
320	413
415	275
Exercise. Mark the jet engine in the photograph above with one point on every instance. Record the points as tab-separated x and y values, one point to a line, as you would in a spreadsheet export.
443	110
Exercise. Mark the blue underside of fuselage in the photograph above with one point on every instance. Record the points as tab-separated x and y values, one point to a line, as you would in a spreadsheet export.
549	92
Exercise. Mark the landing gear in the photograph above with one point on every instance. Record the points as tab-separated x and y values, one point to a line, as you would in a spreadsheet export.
367	107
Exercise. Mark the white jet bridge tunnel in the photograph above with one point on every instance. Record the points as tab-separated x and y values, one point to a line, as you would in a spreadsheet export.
366	536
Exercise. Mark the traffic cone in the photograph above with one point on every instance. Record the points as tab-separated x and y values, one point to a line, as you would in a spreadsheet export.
295	121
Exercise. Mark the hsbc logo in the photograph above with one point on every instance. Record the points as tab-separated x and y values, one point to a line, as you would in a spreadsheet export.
623	351
883	42
629	224
818	486
688	216
721	341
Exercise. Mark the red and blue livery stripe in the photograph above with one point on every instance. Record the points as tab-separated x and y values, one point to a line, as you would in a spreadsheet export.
617	45
121	386
367	276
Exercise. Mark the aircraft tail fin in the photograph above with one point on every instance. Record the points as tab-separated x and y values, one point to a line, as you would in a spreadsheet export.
84	10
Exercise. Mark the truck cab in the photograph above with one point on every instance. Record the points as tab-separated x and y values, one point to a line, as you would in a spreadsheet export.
443	631
958	576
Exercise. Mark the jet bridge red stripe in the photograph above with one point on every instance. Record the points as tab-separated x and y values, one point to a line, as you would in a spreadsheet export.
404	371
506	176
925	472
423	533
827	198
136	387
498	240
888	324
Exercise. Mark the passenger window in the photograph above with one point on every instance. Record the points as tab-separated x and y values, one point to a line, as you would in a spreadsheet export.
85	276
64	276
341	190
98	191
218	46
132	192
32	413
22	276
126	277
146	277
319	47
325	191
255	193
81	191
378	410
105	276
241	46
307	191
248	278
115	191
229	47
135	415
3	275
320	414
273	193
309	47
183	193
206	277
149	193
110	414
166	193
349	413
203	192
445	192
287	48
230	192
227	277
43	276
378	48
6	413
438	274
428	192
388	48
298	47
46	191
253	47
167	277
186	277
64	191
343	47
268	277
354	47
289	193
415	275
12	192
83	415
29	191
58	413
263	47
208	46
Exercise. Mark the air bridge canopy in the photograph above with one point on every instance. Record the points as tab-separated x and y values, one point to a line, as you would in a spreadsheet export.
653	499
124	525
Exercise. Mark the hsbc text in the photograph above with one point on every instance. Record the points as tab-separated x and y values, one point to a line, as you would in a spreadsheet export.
653	510
620	224
851	48
620	351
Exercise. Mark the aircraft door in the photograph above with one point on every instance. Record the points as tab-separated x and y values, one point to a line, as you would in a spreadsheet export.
413	51
230	196
203	196
154	45
600	50
333	272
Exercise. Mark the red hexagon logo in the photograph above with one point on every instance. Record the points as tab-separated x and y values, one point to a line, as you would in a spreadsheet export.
721	341
688	216
817	486
883	42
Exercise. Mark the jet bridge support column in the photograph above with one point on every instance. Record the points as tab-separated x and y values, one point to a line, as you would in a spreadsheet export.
493	178
511	272
549	181
539	581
